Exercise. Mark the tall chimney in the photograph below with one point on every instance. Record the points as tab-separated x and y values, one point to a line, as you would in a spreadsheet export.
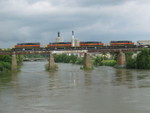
58	34
72	33
58	39
73	39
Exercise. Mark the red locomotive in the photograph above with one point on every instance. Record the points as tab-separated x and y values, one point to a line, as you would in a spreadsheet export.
27	46
121	43
58	45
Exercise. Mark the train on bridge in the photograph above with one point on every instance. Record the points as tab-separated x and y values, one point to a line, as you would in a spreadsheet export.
82	45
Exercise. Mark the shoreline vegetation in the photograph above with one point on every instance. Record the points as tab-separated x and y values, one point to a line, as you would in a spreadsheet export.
74	59
6	60
134	60
140	60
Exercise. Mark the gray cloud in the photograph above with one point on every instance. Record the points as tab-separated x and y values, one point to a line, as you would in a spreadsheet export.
101	20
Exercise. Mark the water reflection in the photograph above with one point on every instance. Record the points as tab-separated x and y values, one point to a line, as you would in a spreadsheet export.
52	79
132	78
125	77
88	78
5	79
14	76
121	76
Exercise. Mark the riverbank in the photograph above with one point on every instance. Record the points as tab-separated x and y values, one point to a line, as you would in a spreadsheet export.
6	60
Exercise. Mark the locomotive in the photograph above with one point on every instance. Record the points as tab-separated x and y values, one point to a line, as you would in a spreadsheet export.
121	43
27	46
58	45
92	44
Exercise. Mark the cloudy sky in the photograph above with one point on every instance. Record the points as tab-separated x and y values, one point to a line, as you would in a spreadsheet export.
92	20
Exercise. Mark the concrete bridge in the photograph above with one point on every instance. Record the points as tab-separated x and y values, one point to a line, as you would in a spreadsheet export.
121	60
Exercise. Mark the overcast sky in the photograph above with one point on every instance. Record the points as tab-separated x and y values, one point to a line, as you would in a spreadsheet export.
92	20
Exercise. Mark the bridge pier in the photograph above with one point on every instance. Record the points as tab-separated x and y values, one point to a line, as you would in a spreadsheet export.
87	61
51	62
14	62
121	59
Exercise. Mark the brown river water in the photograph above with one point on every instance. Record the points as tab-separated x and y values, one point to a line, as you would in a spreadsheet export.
71	90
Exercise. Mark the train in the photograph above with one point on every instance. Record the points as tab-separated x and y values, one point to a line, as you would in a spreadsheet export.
82	45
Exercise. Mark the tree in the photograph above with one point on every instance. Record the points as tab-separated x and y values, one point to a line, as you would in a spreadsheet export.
130	61
73	59
5	62
143	59
98	60
20	59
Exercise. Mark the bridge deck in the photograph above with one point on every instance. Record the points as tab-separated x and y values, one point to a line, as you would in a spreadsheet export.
69	51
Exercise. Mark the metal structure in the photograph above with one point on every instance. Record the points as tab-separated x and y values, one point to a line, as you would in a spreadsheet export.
42	51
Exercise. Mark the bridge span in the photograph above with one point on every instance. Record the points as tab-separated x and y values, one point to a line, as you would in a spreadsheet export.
87	61
10	52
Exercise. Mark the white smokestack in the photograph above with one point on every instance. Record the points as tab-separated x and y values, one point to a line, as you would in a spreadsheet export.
73	39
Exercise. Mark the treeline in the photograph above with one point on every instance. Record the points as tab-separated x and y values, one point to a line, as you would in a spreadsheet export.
36	56
97	61
6	60
139	61
64	58
103	60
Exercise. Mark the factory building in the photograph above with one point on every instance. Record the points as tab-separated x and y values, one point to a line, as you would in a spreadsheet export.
59	39
74	41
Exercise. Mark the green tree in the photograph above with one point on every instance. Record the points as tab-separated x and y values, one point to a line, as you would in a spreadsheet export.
5	58
98	60
79	61
73	59
109	62
20	59
143	59
130	61
5	62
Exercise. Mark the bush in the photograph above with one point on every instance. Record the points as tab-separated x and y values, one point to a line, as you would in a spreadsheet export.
79	61
130	62
5	66
143	59
98	61
109	62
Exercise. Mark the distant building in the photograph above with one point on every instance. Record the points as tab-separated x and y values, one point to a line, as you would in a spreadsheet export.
59	39
77	43
74	41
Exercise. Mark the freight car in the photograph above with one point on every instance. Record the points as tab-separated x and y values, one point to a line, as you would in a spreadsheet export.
27	46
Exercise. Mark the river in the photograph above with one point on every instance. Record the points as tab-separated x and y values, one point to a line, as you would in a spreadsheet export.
71	90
